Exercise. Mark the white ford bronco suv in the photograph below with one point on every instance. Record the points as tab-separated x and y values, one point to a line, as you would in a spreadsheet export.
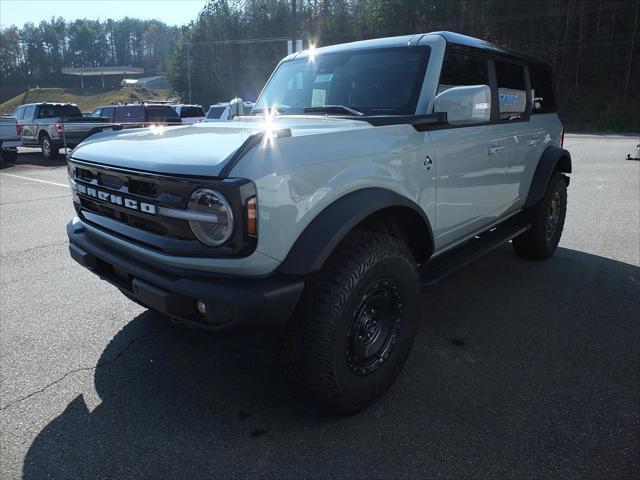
364	171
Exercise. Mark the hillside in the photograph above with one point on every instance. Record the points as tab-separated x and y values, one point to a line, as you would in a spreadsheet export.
86	99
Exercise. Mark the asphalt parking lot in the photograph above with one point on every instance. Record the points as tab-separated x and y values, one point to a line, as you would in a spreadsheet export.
520	370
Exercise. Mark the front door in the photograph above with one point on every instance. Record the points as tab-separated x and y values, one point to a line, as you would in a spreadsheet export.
470	159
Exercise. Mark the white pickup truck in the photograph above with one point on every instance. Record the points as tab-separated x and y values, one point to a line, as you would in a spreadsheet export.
9	139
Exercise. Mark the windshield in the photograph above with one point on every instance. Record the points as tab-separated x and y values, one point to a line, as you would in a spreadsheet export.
189	112
215	112
375	82
159	113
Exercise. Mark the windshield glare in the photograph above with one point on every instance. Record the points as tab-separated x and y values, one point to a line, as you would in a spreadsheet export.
375	82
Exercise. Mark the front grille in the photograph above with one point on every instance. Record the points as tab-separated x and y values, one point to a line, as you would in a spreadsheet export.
127	203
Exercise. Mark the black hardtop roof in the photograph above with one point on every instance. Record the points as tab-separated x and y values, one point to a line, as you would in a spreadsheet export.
457	40
466	41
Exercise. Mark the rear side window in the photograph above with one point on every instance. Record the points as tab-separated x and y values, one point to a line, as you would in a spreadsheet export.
512	94
160	113
96	112
130	113
542	90
28	112
53	111
18	113
216	112
189	112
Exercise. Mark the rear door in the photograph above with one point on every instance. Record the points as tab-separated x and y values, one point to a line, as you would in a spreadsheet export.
470	159
524	138
29	128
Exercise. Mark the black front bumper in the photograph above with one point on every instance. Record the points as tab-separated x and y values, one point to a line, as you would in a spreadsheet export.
253	307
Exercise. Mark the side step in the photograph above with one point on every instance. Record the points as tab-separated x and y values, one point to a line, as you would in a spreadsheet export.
449	262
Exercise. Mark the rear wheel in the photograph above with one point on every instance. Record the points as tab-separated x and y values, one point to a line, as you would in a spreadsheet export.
547	222
356	322
50	150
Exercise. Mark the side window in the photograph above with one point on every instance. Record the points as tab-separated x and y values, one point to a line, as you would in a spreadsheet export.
463	90
107	112
28	112
133	113
542	90
512	94
18	113
96	112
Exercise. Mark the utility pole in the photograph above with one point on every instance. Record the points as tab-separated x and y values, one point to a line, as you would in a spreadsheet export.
189	69
294	30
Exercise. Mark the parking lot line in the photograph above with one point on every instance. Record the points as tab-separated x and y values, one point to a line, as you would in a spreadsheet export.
34	179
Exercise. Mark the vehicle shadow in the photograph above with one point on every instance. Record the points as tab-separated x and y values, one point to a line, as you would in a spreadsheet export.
34	157
521	369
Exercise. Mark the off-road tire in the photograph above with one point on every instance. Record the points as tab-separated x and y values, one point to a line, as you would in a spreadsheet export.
8	156
50	149
547	221
320	347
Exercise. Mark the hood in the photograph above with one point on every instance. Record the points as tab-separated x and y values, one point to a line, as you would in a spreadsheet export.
202	149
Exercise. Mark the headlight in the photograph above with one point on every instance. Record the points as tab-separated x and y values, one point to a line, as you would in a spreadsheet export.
216	225
71	174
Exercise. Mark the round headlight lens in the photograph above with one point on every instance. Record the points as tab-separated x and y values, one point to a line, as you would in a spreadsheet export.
218	229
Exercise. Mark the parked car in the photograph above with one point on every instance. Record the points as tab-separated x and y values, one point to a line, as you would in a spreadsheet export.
9	139
138	115
223	110
391	163
52	126
189	113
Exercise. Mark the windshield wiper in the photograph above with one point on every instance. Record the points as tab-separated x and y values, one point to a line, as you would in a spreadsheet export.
262	110
333	109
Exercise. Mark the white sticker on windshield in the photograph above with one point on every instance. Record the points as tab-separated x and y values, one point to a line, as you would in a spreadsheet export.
326	77
318	97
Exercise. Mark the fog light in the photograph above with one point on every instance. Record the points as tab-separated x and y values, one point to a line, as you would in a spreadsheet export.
201	307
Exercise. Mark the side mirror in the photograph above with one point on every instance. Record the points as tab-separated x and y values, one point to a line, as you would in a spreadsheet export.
236	108
466	104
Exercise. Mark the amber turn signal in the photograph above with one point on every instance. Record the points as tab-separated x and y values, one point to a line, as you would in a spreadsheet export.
252	217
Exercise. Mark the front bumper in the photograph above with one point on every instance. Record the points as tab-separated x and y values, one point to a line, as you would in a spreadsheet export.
254	307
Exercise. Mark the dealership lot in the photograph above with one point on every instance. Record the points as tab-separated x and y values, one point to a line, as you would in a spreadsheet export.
521	369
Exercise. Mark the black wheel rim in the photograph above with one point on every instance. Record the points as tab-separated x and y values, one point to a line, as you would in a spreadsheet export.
553	216
375	327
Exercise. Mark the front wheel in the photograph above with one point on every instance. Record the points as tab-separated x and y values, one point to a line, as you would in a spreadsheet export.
547	222
356	322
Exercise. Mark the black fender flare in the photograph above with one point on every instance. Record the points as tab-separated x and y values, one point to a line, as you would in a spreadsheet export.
552	159
329	227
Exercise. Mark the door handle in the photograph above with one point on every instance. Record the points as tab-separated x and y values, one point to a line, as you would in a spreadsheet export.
534	142
495	149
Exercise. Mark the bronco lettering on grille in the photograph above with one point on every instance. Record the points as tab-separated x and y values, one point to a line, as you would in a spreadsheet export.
129	203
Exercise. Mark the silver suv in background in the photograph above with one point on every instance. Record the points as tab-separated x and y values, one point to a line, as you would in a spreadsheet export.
228	110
